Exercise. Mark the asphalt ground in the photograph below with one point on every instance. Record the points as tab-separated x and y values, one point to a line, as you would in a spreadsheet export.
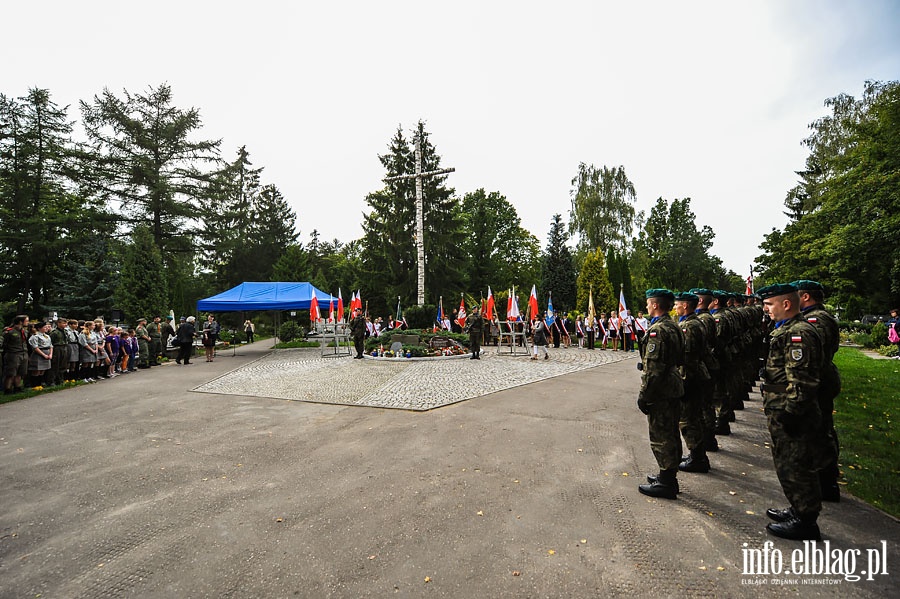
140	487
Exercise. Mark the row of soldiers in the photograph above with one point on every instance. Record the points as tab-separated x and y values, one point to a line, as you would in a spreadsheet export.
700	368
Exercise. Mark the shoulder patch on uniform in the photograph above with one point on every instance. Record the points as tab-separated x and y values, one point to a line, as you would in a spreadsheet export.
797	354
652	333
812	319
796	339
651	348
684	330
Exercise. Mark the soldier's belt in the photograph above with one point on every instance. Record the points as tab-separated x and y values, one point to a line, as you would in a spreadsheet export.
772	388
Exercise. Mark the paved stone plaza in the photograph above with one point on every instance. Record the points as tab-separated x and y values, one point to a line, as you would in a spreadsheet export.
303	375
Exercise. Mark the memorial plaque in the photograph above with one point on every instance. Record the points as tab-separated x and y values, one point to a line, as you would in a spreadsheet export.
406	339
442	343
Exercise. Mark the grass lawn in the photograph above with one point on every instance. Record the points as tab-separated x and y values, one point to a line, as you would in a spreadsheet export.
865	419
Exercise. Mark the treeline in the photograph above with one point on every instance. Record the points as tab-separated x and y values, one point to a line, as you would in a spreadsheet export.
845	209
137	211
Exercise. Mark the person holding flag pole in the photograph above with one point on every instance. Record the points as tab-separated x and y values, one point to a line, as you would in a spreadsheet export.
590	320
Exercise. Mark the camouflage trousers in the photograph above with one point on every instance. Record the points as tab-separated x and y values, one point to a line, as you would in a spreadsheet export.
691	421
143	352
665	440
797	462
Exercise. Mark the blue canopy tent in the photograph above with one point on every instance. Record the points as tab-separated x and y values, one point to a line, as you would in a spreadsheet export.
266	296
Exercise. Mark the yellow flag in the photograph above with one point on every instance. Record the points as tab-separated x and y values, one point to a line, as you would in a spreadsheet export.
591	316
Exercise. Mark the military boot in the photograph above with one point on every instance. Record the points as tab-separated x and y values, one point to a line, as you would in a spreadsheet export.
722	427
665	485
780	515
710	443
695	462
796	529
830	489
652	478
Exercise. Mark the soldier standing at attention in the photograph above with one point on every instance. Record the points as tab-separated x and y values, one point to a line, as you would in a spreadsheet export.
143	337
708	409
696	378
723	353
155	331
475	328
790	390
812	298
358	332
661	390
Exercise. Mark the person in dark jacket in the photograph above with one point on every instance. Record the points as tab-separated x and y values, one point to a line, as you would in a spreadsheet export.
185	339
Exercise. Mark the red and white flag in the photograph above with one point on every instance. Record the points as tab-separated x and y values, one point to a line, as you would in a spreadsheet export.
512	307
340	306
750	284
461	315
331	310
489	306
623	314
314	309
532	303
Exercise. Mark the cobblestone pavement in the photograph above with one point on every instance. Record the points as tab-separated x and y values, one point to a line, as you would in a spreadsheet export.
302	375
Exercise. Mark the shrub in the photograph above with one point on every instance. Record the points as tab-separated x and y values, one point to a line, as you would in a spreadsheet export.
879	334
861	339
888	350
290	331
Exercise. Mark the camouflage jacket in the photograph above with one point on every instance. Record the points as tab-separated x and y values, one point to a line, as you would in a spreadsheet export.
474	324
695	350
662	353
793	368
829	333
709	324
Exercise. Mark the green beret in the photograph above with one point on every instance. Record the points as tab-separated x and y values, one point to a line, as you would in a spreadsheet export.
776	290
807	285
701	291
663	293
142	319
686	296
169	317
721	295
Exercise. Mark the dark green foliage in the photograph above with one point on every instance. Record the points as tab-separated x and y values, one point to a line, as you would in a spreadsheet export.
145	161
602	211
425	336
142	290
388	247
500	253
845	210
42	211
247	227
289	331
558	277
677	253
594	276
87	279
420	317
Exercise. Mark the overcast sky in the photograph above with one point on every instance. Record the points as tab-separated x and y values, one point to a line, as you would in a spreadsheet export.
707	100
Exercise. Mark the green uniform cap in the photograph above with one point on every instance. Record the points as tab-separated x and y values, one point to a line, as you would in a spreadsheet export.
776	290
701	291
142	319
721	295
663	293
168	317
687	296
807	285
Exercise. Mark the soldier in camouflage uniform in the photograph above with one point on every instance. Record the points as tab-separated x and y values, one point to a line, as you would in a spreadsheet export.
154	329
724	356
662	352
475	328
143	337
358	332
696	378
790	397
812	298
707	408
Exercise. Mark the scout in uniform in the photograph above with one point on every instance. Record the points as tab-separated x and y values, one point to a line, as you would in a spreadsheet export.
143	338
154	329
60	340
